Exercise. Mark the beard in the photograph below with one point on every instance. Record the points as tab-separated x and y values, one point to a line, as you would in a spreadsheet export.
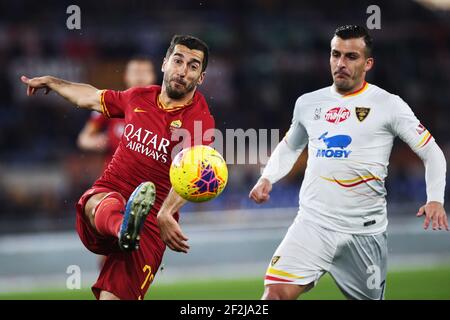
177	93
343	84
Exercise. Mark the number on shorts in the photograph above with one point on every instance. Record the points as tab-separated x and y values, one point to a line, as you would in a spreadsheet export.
149	277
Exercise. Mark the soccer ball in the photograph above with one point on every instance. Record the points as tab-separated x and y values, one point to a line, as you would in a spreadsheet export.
198	173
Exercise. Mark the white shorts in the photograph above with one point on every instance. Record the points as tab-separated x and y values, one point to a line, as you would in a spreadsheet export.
357	263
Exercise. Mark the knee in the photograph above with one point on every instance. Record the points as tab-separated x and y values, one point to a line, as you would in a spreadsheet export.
93	203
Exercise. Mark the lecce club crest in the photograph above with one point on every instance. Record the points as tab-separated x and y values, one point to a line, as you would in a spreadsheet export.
362	113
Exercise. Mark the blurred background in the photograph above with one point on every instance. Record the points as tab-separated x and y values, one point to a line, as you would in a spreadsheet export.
264	54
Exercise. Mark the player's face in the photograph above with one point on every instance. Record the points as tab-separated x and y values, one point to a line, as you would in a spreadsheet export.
139	74
349	63
182	71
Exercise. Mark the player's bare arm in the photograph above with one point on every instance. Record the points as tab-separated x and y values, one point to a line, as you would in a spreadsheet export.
81	94
170	230
92	139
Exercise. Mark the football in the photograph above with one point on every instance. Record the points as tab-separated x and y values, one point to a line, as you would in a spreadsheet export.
198	173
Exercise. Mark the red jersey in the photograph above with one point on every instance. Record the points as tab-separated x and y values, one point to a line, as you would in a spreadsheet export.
114	129
149	137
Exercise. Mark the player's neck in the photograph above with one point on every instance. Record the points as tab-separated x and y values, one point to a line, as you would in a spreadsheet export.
169	103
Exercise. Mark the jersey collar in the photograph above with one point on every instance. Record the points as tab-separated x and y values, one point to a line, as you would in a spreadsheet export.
363	88
162	106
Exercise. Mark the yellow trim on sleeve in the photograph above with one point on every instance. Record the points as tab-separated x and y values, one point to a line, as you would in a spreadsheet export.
103	105
424	139
283	273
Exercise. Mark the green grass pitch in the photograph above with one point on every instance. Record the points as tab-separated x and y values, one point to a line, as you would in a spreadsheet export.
430	283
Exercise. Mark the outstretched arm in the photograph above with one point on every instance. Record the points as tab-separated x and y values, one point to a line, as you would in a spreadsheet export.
435	167
283	157
405	124
280	163
170	230
80	94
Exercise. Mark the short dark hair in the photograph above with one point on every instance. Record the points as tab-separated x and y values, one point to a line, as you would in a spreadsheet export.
192	43
355	31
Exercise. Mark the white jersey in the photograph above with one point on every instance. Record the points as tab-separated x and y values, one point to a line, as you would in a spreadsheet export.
349	141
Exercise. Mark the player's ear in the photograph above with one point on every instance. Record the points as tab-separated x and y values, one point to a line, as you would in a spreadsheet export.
369	64
163	67
201	78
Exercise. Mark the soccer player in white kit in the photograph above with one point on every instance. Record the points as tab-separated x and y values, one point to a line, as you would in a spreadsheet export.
349	128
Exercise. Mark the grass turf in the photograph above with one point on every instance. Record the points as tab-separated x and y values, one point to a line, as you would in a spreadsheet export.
413	284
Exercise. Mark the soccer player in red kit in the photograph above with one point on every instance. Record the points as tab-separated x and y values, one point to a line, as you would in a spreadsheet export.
103	135
131	212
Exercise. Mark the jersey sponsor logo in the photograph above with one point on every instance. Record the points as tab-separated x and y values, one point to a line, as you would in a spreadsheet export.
337	115
146	142
335	146
362	113
424	136
338	141
369	223
420	129
139	110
